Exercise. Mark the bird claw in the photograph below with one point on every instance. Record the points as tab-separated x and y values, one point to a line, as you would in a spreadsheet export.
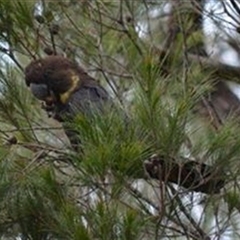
152	165
49	108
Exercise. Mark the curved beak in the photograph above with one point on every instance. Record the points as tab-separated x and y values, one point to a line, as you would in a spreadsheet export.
41	92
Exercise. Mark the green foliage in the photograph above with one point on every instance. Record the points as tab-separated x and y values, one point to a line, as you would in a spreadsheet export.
47	191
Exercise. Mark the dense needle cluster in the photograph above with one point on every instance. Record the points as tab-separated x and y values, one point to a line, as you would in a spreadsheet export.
67	90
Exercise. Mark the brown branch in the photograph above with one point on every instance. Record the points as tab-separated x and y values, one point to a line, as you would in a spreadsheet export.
197	229
220	70
220	104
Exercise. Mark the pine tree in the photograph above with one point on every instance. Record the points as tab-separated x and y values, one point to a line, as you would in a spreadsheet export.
163	166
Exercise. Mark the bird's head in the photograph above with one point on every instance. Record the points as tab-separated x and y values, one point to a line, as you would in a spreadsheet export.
53	79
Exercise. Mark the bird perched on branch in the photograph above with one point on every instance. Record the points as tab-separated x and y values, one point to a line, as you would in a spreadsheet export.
66	90
192	175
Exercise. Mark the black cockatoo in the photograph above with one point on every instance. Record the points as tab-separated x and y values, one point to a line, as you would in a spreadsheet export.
66	90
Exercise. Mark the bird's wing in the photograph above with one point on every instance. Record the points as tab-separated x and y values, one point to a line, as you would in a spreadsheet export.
85	101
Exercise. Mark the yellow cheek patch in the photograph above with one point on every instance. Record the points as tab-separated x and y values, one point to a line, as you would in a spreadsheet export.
75	80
